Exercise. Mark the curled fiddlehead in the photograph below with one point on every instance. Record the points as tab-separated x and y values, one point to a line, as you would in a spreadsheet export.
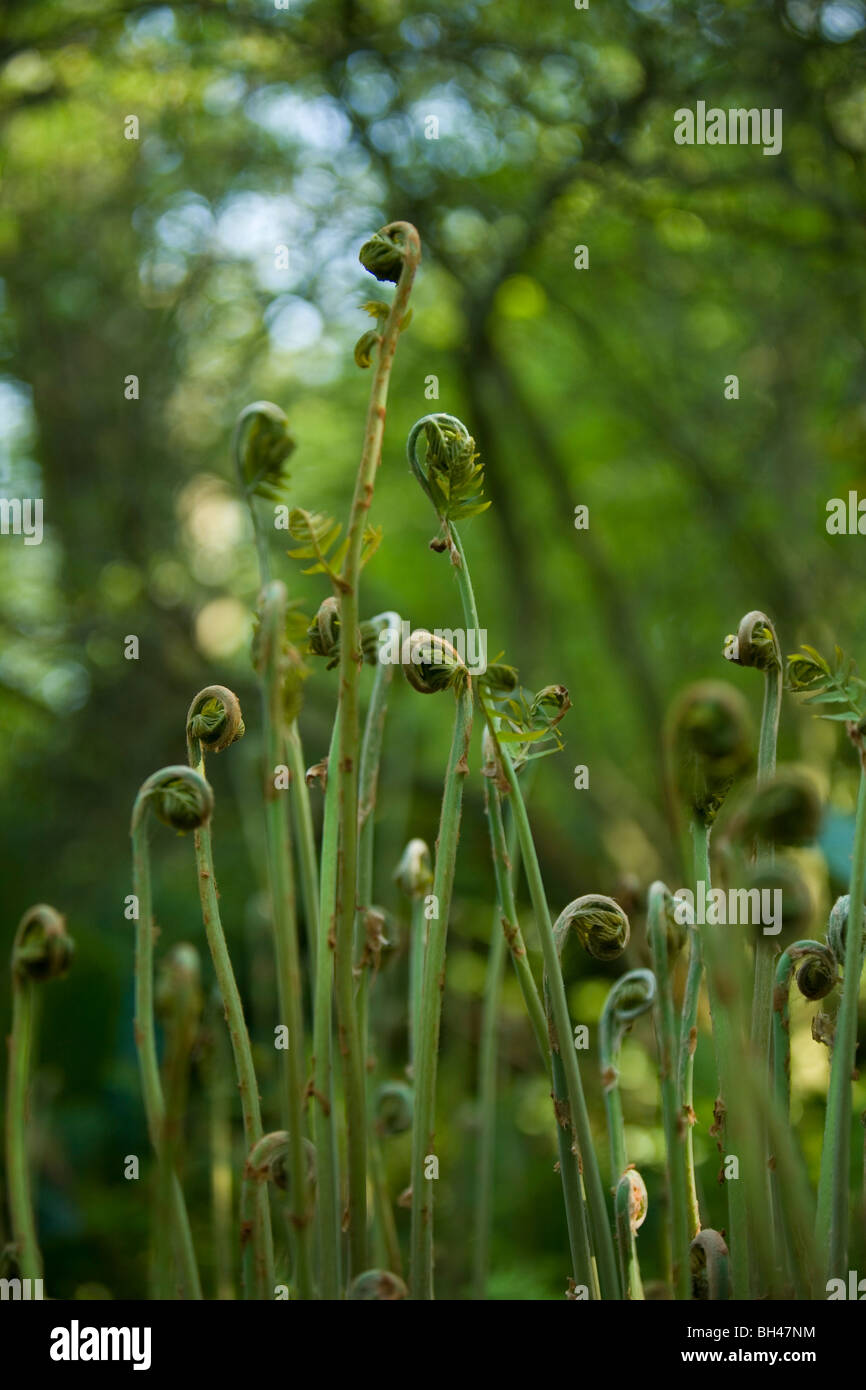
450	473
262	443
596	924
395	1104
755	644
270	1161
816	975
377	1285
393	1110
214	720
630	1209
709	735
710	1268
630	996
41	950
432	664
784	809
836	928
181	798
386	253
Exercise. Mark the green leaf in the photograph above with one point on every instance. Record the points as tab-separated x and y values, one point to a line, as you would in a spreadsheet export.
315	535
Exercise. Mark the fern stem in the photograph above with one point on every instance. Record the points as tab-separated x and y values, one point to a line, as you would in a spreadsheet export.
261	1235
347	766
327	1213
833	1185
676	1124
726	1065
427	1042
686	1072
305	839
145	1038
283	909
21	1049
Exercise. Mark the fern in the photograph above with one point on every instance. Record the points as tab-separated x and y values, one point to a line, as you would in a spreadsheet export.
530	724
317	538
810	674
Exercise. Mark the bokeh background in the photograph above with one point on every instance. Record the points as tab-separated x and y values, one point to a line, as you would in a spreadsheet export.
305	128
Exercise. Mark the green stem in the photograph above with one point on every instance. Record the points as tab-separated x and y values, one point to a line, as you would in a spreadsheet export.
327	1214
145	1032
347	766
583	1263
421	1261
765	947
368	782
504	856
218	1082
417	952
283	908
686	1072
384	1210
487	1059
675	1122
181	978
248	1088
504	851
833	1195
726	1065
28	1256
306	842
625	1234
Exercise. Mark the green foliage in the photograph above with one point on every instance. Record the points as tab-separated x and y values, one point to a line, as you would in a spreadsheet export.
316	538
822	685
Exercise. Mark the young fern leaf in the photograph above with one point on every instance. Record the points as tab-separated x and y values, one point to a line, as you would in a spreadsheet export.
262	445
810	675
316	536
530	724
451	474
